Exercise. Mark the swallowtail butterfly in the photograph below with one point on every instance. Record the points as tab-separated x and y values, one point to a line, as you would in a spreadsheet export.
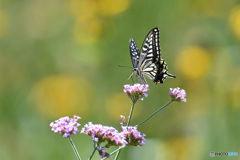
148	62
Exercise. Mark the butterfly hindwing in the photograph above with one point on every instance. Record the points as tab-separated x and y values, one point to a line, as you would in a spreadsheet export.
162	72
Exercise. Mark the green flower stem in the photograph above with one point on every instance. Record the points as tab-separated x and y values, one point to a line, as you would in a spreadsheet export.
74	148
117	155
128	123
114	152
154	113
130	115
94	150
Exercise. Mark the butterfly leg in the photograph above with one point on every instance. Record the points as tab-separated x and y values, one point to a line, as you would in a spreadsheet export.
143	80
130	77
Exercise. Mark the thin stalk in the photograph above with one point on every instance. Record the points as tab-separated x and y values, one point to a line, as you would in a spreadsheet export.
117	155
114	152
128	123
154	113
130	115
74	148
94	150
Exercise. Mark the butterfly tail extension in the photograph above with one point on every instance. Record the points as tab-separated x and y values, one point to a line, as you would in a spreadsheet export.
160	78
170	75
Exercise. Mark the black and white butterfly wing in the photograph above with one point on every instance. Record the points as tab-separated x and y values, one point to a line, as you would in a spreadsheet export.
150	50
150	62
150	54
134	53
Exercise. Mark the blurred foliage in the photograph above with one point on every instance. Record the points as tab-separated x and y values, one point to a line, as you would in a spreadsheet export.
61	58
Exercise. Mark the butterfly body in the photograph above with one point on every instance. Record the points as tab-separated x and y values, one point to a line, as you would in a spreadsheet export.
148	62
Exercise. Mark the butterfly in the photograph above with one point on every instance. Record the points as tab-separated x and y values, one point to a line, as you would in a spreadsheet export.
148	62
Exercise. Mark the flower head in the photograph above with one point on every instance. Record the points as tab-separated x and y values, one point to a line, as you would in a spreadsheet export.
100	133
133	136
66	126
178	94
136	91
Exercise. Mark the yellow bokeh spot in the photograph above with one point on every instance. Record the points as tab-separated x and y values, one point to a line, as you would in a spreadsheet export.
87	31
95	8
210	8
111	7
234	20
118	104
83	9
236	93
193	62
61	95
89	15
3	23
183	148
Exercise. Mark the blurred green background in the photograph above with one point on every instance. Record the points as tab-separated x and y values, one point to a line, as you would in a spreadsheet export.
60	58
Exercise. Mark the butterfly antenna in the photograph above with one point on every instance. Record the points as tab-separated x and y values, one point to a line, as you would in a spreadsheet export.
124	66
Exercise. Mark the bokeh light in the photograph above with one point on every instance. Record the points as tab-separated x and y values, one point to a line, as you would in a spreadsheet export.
88	31
119	104
236	93
62	95
234	20
112	7
90	15
84	9
193	62
183	148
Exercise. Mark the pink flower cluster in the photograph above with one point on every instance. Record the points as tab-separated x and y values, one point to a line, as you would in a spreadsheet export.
136	91
178	94
129	135
100	133
133	136
66	126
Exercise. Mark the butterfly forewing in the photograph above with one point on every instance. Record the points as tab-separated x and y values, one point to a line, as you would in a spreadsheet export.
150	54
134	52
150	48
